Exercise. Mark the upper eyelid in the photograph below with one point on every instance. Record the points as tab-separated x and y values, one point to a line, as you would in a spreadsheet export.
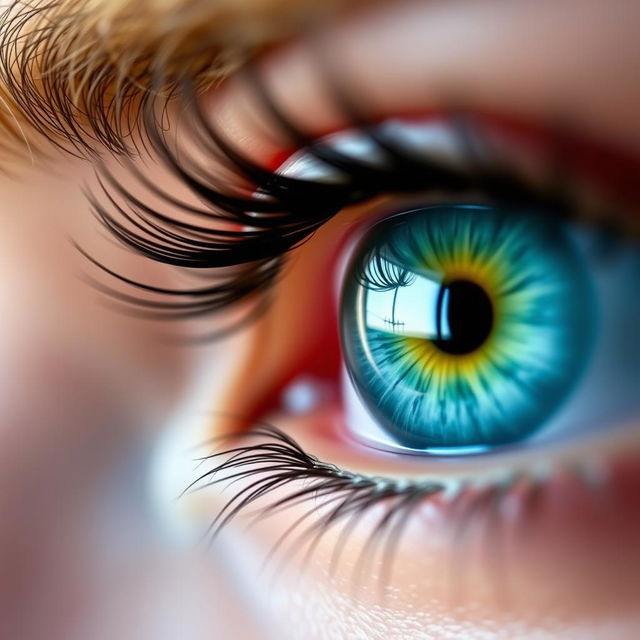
304	205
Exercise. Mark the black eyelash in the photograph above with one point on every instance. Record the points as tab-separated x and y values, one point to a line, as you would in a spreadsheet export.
378	273
278	461
265	461
275	213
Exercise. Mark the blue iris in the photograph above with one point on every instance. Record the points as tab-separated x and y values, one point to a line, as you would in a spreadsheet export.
467	326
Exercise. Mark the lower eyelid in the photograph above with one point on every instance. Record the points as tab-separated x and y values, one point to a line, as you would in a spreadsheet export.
322	433
522	520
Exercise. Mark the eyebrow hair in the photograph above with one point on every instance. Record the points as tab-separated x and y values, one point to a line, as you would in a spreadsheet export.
75	73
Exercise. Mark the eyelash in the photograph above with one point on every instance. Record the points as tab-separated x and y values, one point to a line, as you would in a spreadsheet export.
338	499
277	209
278	461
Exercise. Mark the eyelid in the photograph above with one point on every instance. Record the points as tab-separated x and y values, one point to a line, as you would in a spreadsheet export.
259	455
432	136
584	452
600	182
249	255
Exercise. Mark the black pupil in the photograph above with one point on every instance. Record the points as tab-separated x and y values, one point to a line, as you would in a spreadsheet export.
469	317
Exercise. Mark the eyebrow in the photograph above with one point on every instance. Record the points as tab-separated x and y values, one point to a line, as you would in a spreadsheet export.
75	73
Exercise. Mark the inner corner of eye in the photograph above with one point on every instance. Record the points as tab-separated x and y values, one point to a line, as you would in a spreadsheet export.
470	327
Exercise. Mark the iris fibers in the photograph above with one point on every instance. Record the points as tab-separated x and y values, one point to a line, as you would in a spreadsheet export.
465	325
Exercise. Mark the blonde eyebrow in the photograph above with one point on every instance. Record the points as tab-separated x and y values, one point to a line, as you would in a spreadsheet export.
75	72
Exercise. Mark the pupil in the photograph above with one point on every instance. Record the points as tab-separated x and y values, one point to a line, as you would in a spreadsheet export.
464	317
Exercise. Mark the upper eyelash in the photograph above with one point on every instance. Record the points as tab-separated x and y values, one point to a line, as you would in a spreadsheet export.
276	213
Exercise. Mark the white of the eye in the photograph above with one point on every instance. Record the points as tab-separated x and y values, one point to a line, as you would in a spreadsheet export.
359	421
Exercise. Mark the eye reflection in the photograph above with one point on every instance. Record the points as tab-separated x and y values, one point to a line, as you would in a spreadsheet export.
466	326
456	316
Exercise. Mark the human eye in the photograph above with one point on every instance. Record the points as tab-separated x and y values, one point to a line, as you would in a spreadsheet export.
448	328
465	327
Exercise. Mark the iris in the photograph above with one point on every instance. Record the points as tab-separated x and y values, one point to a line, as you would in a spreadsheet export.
466	326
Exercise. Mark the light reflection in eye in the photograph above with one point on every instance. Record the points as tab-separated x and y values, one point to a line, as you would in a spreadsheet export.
408	310
467	327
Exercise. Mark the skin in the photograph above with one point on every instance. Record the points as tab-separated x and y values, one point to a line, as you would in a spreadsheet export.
105	383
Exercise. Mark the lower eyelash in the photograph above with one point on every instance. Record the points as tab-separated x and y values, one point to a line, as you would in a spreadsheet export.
338	499
277	462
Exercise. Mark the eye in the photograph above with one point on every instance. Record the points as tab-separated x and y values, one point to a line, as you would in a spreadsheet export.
469	327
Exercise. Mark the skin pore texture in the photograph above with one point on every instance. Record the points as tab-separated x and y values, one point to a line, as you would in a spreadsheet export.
569	572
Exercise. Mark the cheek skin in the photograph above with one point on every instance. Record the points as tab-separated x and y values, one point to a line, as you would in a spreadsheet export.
82	389
44	209
564	570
